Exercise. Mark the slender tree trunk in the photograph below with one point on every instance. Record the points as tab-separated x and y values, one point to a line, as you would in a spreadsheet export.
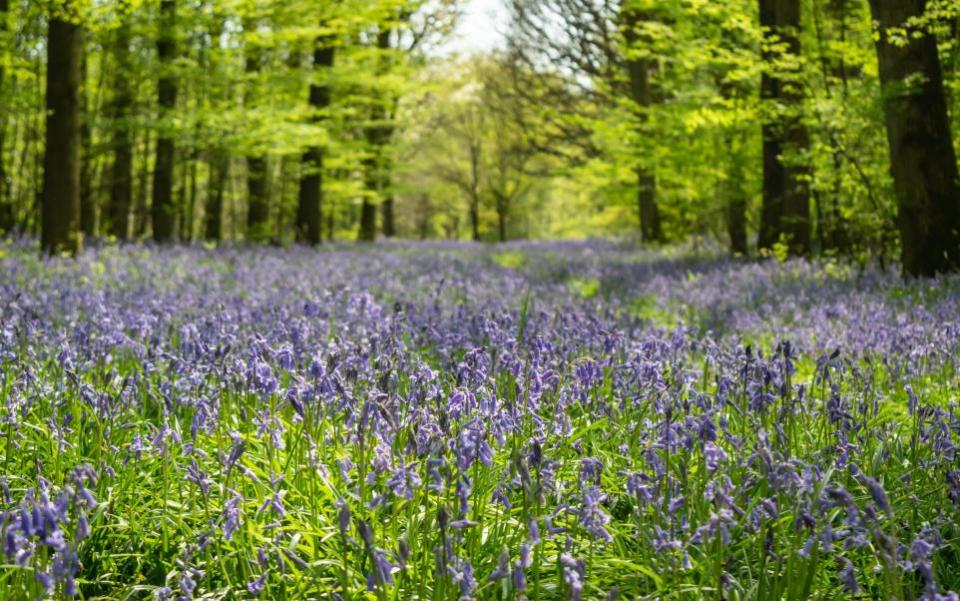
88	206
786	195
191	205
475	149
736	199
641	92
368	220
309	204
140	217
387	217
219	172
258	212
650	229
121	173
258	209
922	157
378	134
163	210
774	179
7	219
501	205
60	204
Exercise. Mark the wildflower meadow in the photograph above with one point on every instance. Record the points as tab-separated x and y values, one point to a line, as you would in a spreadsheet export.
541	421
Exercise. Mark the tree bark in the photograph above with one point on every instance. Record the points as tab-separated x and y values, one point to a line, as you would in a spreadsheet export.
378	134
387	216
502	207
213	213
922	158
650	229
638	70
786	195
368	220
121	174
310	202
795	219
88	200
736	200
60	202
474	189
163	210
258	209
7	218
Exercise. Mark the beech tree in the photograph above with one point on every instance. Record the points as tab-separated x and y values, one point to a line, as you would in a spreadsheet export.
786	197
164	210
922	157
309	208
60	203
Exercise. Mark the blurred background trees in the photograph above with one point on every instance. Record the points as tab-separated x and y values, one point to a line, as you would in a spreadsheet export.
779	126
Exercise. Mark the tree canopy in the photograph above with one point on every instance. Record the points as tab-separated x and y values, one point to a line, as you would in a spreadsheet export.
774	126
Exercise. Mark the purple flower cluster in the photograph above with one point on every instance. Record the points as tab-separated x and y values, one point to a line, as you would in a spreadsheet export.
419	421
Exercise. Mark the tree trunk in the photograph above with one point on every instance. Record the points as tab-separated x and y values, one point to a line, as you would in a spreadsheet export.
501	217
121	174
650	230
386	215
786	195
163	210
795	219
376	165
922	157
368	221
7	219
736	200
141	212
310	202
213	213
88	206
258	209
60	203
188	228
475	149
638	70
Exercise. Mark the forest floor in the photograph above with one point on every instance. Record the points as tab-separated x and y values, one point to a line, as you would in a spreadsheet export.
557	420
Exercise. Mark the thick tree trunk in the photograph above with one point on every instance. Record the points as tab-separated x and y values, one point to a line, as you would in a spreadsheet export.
310	202
795	219
786	195
7	219
60	203
922	158
163	210
121	174
641	92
